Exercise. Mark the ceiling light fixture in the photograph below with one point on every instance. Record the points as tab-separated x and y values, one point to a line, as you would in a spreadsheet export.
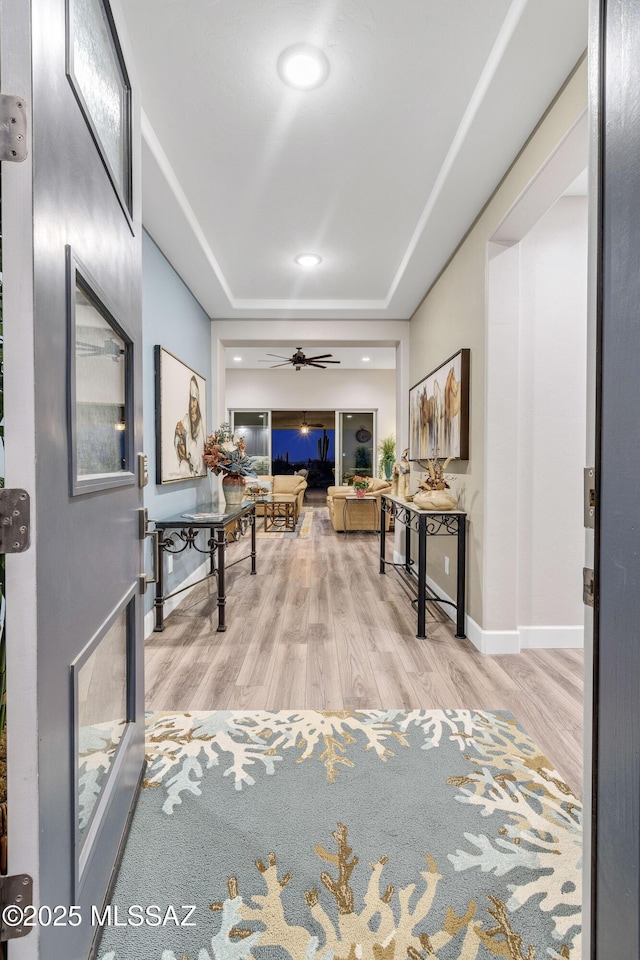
308	260
237	359
366	359
303	66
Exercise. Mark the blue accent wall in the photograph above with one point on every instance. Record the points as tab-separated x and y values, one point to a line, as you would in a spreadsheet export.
173	318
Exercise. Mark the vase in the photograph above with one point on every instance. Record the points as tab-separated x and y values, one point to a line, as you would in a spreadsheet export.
233	489
360	493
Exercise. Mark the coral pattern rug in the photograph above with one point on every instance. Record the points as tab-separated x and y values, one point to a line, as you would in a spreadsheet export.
368	835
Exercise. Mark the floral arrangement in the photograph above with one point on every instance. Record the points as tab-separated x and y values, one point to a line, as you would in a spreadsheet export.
361	483
224	452
435	479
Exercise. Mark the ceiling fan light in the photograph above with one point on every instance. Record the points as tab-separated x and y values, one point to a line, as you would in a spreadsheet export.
303	66
308	260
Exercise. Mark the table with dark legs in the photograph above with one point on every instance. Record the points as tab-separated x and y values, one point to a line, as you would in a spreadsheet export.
426	523
225	524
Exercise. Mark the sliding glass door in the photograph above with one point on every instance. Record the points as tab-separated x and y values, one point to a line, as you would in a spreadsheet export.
356	445
255	427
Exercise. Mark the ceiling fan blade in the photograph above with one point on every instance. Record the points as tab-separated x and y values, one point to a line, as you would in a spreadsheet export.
278	356
321	356
332	361
321	365
285	364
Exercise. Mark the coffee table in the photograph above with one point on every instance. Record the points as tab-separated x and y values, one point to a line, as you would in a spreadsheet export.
279	512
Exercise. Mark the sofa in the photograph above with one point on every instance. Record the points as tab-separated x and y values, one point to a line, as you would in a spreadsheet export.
359	516
290	484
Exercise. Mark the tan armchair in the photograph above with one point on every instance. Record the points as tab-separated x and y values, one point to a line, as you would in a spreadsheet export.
292	485
359	517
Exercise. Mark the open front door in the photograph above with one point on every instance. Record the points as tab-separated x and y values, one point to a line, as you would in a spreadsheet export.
72	325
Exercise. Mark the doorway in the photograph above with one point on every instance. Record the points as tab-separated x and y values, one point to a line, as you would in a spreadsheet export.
304	440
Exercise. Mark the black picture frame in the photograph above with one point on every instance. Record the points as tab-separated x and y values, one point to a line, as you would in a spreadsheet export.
439	411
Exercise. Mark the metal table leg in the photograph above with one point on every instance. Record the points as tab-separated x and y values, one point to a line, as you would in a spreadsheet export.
220	549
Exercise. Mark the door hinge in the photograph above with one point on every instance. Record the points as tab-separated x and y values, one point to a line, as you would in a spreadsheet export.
13	128
16	894
15	523
588	586
589	497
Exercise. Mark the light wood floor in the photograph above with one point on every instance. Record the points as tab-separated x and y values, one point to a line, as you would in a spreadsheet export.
318	627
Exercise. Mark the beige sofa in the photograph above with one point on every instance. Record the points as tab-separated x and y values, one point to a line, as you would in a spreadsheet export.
360	516
290	484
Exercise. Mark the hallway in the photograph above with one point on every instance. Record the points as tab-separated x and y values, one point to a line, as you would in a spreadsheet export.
319	628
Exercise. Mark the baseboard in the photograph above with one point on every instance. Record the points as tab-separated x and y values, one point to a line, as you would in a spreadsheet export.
551	637
187	586
496	642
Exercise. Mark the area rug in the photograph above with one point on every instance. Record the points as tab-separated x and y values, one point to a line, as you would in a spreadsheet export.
302	528
369	835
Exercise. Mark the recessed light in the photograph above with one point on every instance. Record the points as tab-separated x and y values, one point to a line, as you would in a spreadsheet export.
308	260
237	359
303	66
366	359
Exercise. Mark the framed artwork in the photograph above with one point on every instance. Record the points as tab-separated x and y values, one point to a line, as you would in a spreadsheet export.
100	387
181	409
439	411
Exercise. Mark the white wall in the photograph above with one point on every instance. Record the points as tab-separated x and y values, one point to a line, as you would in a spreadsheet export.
552	416
536	429
316	389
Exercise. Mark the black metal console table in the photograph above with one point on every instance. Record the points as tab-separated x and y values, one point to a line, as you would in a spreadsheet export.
223	523
426	523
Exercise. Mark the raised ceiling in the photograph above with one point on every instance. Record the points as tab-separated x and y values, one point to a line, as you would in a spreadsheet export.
381	170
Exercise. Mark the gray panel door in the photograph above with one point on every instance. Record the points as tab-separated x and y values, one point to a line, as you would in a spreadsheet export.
616	837
72	284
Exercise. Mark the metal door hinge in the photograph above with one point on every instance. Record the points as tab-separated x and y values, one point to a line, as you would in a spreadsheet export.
13	128
589	497
588	586
16	894
15	523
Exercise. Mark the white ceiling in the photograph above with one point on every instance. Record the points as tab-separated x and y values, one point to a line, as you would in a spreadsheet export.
380	171
350	358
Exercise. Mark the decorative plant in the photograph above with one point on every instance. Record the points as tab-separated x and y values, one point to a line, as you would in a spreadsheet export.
360	483
225	452
387	451
435	479
363	458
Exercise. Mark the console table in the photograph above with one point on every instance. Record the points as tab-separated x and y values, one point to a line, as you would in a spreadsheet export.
426	523
220	521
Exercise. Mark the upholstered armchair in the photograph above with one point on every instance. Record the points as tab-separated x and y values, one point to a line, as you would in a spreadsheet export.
291	484
357	519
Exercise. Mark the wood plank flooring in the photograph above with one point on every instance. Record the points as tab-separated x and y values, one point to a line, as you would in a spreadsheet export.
318	627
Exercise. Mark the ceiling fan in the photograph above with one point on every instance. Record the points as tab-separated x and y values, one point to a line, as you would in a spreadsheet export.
299	360
302	425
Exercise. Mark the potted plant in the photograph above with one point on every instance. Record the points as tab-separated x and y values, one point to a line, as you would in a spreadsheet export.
387	451
360	485
225	453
